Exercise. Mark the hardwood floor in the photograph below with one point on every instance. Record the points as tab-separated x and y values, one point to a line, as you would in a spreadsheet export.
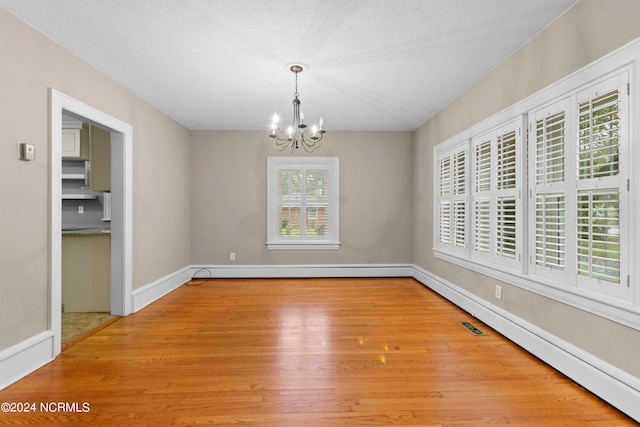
302	352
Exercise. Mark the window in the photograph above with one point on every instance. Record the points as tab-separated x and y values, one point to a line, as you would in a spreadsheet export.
601	142
578	188
496	195
302	203
539	195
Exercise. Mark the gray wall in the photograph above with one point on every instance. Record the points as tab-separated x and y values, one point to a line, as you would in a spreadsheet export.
586	32
229	203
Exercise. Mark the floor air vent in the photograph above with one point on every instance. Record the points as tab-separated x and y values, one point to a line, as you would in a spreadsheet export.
471	328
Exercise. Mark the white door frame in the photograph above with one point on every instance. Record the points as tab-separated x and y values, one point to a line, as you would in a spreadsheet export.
121	214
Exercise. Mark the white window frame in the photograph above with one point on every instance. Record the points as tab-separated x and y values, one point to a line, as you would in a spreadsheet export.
275	241
621	305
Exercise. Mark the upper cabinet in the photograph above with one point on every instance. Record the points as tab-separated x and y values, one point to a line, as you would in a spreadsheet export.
100	159
71	143
92	145
75	143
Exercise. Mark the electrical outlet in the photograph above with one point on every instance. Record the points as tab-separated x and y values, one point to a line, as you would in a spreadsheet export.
498	292
80	209
232	256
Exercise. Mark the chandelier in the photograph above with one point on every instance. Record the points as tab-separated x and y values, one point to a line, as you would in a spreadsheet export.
296	135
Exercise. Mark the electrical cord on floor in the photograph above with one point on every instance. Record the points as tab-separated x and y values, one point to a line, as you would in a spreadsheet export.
202	279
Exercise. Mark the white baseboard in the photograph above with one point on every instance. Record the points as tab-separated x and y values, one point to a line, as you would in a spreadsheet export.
20	360
617	387
312	270
155	290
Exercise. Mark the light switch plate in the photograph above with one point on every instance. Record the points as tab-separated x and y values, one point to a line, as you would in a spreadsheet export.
27	151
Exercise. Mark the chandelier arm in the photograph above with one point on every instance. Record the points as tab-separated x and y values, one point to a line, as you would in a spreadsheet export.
280	142
308	149
310	144
310	140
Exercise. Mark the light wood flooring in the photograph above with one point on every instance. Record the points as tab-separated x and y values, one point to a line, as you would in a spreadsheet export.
303	352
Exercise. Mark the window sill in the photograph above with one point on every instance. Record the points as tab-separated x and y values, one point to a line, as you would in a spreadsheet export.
297	246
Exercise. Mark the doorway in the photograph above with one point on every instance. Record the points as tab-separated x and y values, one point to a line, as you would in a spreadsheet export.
121	212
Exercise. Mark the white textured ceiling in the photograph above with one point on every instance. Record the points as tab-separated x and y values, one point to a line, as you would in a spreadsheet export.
222	64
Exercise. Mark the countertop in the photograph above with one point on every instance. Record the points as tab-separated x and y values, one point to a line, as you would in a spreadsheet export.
85	231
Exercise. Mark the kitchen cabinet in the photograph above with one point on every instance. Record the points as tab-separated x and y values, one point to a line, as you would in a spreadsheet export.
87	156
71	143
99	168
86	272
75	143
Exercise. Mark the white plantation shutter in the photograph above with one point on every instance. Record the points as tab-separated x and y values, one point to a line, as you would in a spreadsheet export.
578	225
549	231
445	176
482	226
452	203
599	235
482	167
302	203
459	172
459	224
482	155
506	160
508	148
598	136
506	227
548	210
459	200
601	145
497	194
550	150
445	200
445	222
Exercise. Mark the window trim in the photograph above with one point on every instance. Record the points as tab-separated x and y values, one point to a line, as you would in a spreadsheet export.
624	310
276	242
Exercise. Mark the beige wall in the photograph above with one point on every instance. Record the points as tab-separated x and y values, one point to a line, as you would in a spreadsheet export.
229	170
31	64
588	31
189	186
